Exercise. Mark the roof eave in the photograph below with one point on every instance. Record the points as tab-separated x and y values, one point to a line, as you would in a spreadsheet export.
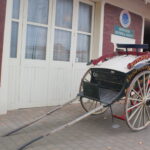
147	1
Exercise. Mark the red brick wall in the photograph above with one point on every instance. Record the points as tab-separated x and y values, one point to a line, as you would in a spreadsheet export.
2	24
111	18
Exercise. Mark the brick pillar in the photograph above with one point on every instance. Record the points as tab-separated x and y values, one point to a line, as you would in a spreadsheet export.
2	26
111	18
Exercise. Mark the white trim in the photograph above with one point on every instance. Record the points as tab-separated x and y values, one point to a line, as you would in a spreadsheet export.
4	69
64	29
102	28
92	29
37	24
85	33
147	1
122	7
53	8
120	39
15	20
116	39
143	28
49	32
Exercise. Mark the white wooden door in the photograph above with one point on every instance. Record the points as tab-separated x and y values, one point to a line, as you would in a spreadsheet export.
34	57
83	42
50	46
29	55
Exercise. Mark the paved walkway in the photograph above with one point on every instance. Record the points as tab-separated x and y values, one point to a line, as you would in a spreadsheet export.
93	133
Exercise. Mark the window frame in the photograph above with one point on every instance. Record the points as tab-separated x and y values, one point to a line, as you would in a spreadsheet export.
19	21
74	31
22	33
85	33
54	27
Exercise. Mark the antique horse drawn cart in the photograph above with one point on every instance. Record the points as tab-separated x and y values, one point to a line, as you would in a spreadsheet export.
124	75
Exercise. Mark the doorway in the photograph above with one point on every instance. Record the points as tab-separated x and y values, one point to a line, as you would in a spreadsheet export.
147	33
51	42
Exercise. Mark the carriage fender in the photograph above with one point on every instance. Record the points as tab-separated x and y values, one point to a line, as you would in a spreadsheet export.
141	65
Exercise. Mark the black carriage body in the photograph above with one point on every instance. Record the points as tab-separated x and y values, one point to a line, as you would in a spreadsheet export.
109	79
104	85
109	86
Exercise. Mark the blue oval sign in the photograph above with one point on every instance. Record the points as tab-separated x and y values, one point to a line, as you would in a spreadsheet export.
125	19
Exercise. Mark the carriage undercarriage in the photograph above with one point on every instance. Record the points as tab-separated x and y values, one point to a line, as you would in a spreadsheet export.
102	86
136	96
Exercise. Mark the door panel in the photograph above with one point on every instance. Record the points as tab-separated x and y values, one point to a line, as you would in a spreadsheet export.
33	91
13	86
59	85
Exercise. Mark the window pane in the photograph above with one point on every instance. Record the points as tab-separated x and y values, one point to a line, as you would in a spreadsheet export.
36	42
16	8
38	11
62	45
14	40
64	10
83	48
85	17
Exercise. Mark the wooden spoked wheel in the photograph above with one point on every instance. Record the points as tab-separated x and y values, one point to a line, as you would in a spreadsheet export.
137	107
89	104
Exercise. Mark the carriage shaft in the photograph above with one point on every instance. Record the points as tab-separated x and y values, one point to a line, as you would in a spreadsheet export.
62	127
40	118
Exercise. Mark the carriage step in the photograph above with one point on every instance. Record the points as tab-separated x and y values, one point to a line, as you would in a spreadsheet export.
107	96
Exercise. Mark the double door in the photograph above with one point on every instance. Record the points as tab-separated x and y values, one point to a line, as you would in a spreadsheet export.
50	44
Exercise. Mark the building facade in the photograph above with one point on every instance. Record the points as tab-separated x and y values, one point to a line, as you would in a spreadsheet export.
45	45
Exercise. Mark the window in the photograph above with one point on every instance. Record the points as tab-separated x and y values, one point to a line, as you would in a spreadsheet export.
84	32
38	11
63	31
31	30
85	17
64	12
63	26
36	42
62	45
83	47
36	39
14	28
16	9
